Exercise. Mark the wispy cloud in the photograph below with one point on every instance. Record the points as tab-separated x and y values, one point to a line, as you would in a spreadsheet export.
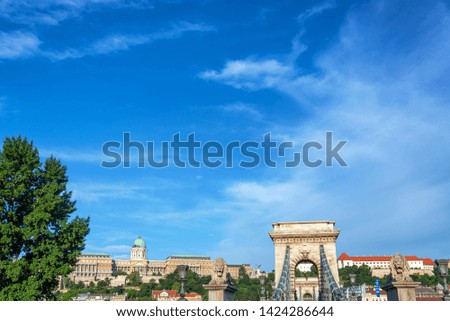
251	73
304	16
123	42
18	44
120	248
93	191
109	44
96	191
72	155
52	12
242	108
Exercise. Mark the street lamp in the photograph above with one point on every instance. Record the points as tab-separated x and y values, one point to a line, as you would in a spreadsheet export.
352	278
262	281
443	271
342	289
182	270
352	281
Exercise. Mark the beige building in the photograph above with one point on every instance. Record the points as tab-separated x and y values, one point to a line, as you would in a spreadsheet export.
233	269
370	295
93	267
172	295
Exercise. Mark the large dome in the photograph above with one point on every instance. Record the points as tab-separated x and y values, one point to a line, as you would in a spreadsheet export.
139	242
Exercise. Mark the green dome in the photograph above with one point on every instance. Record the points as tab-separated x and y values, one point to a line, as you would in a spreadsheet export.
139	242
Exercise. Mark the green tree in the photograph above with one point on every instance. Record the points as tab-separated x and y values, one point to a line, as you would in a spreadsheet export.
428	280
363	275
117	273
193	283
146	289
132	294
102	284
176	286
38	239
249	289
133	279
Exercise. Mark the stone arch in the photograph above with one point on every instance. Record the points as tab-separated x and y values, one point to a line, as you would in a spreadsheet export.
311	284
307	297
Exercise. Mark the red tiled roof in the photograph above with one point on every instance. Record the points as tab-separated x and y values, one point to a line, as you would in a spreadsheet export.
345	256
428	261
373	292
171	293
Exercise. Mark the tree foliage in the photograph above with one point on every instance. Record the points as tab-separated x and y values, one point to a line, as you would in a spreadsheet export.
38	239
430	280
133	279
363	275
193	283
250	289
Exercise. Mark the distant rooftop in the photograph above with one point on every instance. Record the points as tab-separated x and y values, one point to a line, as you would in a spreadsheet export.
202	257
304	222
94	255
346	257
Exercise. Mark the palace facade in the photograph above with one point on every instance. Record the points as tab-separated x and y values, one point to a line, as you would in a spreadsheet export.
99	266
380	264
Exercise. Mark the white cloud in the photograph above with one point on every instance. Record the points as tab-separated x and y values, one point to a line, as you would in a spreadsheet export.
117	43
242	108
304	16
24	44
71	155
108	249
109	44
18	44
95	191
252	74
52	12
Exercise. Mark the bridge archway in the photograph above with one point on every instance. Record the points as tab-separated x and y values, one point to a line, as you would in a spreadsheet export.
306	282
307	297
304	240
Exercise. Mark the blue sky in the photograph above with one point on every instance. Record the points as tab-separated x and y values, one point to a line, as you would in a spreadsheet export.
75	74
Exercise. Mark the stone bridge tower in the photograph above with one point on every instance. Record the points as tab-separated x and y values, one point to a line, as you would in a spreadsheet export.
304	239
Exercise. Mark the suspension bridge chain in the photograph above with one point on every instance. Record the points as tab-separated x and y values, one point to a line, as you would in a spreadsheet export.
283	290
330	289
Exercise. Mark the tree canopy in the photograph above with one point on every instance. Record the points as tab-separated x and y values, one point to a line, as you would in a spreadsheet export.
430	280
39	240
363	275
250	289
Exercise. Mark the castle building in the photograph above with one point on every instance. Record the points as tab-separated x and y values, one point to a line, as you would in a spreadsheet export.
99	266
380	264
93	266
